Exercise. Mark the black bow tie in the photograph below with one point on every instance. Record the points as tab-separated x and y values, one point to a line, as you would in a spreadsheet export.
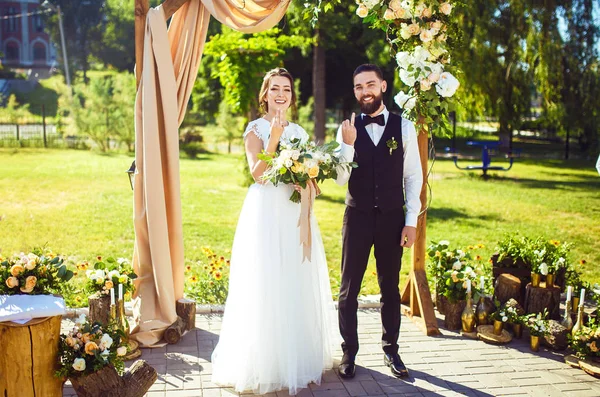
377	120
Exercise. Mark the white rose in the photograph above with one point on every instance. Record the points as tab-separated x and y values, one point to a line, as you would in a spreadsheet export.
421	54
457	265
113	273
544	268
405	101
407	78
405	31
100	274
295	154
120	261
426	36
403	59
288	163
444	242
91	274
106	341
105	354
81	319
79	364
362	11
121	351
446	8
425	85
447	85
504	319
436	68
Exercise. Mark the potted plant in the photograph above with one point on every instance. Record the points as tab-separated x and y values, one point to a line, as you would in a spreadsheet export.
586	341
510	257
538	328
455	292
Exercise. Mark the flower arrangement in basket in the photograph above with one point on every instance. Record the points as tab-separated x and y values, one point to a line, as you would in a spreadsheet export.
107	274
35	273
586	341
87	348
298	163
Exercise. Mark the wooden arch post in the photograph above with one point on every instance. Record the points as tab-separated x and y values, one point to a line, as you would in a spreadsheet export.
416	296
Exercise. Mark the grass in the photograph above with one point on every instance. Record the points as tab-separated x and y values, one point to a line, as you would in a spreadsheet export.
79	203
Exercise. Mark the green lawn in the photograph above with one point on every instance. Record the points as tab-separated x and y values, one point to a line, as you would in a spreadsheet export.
79	204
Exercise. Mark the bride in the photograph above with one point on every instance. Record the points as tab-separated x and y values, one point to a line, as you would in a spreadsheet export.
276	328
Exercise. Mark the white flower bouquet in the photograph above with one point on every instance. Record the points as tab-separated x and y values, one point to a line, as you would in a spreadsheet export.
107	274
297	163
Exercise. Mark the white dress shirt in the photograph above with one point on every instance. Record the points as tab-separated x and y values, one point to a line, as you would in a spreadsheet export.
413	173
598	165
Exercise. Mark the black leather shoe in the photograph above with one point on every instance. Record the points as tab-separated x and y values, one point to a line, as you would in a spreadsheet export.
396	365
347	368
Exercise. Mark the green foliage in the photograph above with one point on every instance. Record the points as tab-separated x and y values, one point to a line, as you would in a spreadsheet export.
242	61
232	126
207	281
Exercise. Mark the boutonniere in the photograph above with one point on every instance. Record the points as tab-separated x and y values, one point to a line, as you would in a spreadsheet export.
392	144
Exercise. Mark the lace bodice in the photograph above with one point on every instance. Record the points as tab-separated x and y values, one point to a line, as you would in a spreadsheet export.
262	129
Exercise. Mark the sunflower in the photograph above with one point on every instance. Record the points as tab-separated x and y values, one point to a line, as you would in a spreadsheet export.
188	268
194	279
218	276
478	257
555	243
582	262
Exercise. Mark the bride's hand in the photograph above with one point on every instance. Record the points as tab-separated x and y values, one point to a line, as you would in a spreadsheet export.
276	126
297	187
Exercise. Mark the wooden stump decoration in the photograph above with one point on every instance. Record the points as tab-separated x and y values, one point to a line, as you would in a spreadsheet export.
106	382
175	331
186	309
440	301
557	338
537	299
99	309
508	287
28	359
452	314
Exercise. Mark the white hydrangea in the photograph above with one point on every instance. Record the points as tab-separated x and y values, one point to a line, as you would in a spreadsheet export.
405	101
447	85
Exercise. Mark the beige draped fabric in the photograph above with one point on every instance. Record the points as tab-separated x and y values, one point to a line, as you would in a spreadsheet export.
170	65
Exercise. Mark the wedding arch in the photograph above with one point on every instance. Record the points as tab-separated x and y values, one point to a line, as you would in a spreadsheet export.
167	62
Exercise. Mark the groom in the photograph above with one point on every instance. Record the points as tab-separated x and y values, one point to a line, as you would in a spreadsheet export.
388	177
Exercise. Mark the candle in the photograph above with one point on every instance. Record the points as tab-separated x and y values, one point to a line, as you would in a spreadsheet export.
468	286
481	283
569	292
112	296
582	297
120	292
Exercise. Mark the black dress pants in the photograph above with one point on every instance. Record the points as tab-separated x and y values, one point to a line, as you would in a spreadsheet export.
361	231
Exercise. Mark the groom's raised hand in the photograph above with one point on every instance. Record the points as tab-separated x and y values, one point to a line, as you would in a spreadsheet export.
408	236
349	131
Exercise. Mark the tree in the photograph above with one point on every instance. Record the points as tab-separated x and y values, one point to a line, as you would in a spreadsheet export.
82	22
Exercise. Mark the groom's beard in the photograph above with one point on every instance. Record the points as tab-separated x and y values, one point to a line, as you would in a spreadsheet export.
373	106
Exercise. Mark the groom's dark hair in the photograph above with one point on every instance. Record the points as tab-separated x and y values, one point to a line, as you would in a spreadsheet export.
368	67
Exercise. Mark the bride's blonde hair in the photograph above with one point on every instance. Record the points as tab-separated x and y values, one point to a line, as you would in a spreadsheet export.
263	104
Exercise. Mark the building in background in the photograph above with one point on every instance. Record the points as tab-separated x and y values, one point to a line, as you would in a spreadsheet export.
23	40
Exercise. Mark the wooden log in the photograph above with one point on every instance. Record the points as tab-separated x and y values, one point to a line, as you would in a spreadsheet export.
557	338
186	309
452	313
175	331
28	359
99	309
106	382
537	299
508	287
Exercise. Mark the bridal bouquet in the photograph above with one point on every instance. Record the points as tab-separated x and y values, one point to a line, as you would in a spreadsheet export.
107	274
299	163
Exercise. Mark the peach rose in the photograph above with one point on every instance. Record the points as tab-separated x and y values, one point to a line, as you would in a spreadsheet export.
30	283
17	269
395	5
70	341
313	172
433	78
427	12
90	348
12	282
108	285
425	85
446	8
414	29
362	11
389	15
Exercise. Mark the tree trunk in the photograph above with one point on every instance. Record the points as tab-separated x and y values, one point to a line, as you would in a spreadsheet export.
175	331
99	309
453	311
186	309
318	77
107	382
508	287
537	299
28	359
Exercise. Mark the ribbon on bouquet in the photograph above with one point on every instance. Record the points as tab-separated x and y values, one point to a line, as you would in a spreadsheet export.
307	198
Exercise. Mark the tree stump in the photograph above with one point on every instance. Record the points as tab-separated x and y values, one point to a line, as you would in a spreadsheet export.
440	301
99	309
537	299
186	309
106	382
452	313
557	339
28	358
175	331
508	287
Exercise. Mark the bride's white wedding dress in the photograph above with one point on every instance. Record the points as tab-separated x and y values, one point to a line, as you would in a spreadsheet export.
276	330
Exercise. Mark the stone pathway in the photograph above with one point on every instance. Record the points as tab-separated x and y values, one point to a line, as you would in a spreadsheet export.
447	365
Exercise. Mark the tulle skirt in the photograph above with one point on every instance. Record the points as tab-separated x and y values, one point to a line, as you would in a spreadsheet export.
277	326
